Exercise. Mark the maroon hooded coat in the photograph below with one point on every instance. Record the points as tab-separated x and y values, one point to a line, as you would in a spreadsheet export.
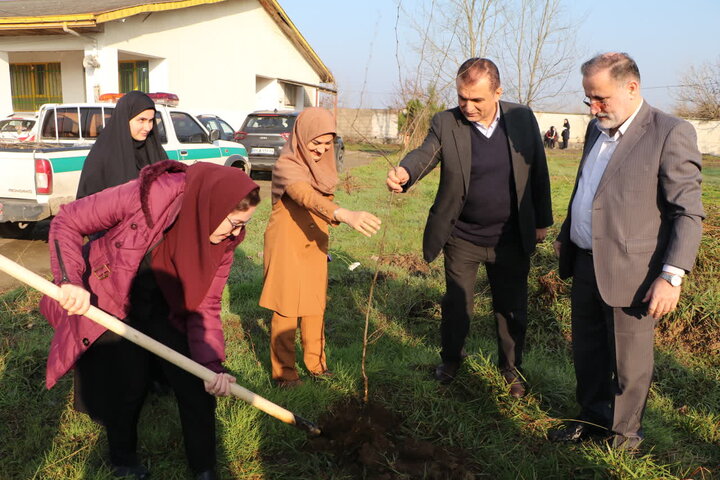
135	214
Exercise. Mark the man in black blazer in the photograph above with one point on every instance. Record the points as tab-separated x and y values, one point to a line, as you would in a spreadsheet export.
492	206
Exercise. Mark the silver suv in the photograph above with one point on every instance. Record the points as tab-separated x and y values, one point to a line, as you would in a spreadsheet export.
265	132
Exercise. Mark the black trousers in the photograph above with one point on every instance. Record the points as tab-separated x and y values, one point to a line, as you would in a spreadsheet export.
507	267
613	355
111	383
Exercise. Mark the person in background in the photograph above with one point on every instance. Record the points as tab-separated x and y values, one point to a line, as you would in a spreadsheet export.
161	267
631	234
565	134
551	137
296	244
128	142
492	206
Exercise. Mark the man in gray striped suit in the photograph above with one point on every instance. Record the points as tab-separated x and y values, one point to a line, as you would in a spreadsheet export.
632	232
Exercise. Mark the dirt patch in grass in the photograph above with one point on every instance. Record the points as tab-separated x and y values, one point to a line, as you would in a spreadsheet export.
368	441
551	287
361	277
696	331
409	262
697	335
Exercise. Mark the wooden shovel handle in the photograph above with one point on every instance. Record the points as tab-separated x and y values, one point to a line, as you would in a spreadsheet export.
111	323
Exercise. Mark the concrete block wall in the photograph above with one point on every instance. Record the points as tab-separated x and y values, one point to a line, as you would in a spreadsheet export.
367	124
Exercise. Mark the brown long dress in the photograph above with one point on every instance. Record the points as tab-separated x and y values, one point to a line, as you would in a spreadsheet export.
295	252
296	247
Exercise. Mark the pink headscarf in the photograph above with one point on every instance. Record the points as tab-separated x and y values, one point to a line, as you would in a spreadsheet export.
296	164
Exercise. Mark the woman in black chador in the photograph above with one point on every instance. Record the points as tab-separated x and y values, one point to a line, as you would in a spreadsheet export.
565	134
127	143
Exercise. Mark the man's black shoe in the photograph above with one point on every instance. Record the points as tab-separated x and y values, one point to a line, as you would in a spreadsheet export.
446	371
134	472
575	432
207	475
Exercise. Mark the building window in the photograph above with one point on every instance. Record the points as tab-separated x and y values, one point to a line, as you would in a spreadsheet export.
134	75
289	94
34	84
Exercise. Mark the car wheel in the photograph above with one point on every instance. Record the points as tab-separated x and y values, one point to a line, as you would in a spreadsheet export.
245	166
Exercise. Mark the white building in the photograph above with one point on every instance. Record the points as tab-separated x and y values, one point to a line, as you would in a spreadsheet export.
227	57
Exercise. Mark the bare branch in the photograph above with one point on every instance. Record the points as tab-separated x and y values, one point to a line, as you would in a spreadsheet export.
699	95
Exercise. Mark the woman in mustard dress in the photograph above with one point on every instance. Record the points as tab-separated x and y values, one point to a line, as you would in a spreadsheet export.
296	244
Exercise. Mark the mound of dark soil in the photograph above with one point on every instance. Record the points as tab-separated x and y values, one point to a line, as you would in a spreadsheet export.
413	264
367	440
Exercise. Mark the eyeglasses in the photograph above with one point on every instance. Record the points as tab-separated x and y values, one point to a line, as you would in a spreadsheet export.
236	225
600	102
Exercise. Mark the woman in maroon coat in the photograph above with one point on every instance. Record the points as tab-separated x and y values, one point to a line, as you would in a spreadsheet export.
161	266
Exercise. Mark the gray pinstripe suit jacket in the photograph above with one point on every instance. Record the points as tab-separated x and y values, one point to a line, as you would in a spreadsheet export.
647	209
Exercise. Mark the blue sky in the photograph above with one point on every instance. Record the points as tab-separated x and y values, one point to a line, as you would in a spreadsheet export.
357	41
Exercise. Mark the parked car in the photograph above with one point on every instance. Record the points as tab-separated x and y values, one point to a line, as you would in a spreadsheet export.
265	132
18	127
213	122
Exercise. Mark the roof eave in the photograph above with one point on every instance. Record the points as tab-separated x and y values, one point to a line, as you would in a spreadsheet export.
273	8
91	19
22	25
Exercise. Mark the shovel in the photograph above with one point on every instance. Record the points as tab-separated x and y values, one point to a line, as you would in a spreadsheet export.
111	323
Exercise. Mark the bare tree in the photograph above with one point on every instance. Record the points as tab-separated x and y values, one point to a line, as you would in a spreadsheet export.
448	32
539	53
532	41
699	95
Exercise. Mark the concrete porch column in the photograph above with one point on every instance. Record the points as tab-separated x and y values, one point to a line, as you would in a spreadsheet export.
6	107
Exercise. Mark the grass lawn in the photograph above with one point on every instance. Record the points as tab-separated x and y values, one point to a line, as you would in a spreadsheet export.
472	421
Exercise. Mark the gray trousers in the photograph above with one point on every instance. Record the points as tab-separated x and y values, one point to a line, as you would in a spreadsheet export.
613	355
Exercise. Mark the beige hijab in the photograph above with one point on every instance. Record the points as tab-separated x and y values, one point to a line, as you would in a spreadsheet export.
296	164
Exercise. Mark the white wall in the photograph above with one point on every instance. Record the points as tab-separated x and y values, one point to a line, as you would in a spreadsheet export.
708	132
578	125
159	74
367	124
708	136
6	107
106	77
214	53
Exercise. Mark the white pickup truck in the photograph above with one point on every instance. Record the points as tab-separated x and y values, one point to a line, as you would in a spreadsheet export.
37	177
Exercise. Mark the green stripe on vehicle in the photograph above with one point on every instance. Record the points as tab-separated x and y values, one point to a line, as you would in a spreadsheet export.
75	164
199	153
67	164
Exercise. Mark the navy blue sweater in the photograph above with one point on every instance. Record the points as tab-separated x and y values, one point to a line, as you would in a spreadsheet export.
490	212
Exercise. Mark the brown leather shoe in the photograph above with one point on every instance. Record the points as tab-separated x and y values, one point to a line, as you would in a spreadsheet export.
288	383
446	371
514	380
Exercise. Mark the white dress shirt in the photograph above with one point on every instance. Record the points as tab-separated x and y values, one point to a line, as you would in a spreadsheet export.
592	172
488	131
